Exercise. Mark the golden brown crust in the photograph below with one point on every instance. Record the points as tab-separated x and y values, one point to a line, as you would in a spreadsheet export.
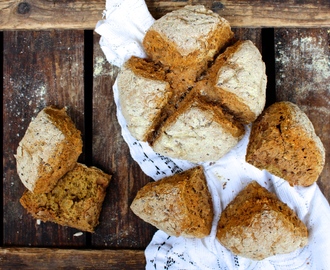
198	131
283	141
50	148
180	205
186	57
237	81
143	94
257	225
181	47
76	200
205	34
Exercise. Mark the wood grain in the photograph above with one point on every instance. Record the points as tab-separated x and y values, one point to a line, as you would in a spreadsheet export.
119	227
78	14
40	69
302	77
45	258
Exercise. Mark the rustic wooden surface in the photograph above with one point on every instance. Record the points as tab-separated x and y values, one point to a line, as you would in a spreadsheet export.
303	77
39	68
79	14
46	258
67	68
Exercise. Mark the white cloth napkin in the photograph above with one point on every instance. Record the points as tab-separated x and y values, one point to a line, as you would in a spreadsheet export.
122	29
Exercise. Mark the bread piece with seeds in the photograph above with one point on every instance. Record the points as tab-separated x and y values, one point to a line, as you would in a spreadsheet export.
237	81
75	201
283	142
143	92
49	149
180	205
257	225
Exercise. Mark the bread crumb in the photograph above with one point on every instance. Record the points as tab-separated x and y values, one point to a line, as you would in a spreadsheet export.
78	234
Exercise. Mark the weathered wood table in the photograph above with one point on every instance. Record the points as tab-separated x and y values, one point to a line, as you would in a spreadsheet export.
50	55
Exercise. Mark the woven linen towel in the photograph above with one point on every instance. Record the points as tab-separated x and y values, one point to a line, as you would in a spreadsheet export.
122	29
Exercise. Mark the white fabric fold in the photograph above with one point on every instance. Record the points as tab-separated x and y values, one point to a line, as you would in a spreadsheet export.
122	31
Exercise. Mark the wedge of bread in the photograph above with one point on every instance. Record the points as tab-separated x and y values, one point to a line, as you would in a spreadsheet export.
257	225
283	142
180	205
237	80
75	201
49	149
198	131
185	40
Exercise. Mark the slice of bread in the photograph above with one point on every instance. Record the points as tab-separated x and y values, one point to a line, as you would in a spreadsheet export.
257	225
283	142
143	93
237	80
180	205
49	149
76	200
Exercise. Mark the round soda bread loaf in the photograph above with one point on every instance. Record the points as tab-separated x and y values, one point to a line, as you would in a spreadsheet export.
75	201
257	225
180	205
49	149
283	142
191	97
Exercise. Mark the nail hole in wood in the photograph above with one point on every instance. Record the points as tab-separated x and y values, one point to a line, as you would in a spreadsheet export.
23	8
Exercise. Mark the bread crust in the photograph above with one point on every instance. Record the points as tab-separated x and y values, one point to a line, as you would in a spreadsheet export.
143	92
192	118
180	205
187	37
257	225
283	142
237	81
49	149
198	131
75	201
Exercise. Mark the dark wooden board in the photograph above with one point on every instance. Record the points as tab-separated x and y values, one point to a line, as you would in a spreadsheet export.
119	227
40	68
303	77
46	258
67	68
79	14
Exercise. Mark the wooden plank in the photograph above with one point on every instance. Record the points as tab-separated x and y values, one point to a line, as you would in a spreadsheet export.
119	227
79	14
40	68
255	35
45	258
264	13
302	76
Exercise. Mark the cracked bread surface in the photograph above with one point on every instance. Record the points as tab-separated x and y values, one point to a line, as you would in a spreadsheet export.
75	201
143	92
257	225
185	40
49	149
283	142
197	132
180	205
237	80
181	47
